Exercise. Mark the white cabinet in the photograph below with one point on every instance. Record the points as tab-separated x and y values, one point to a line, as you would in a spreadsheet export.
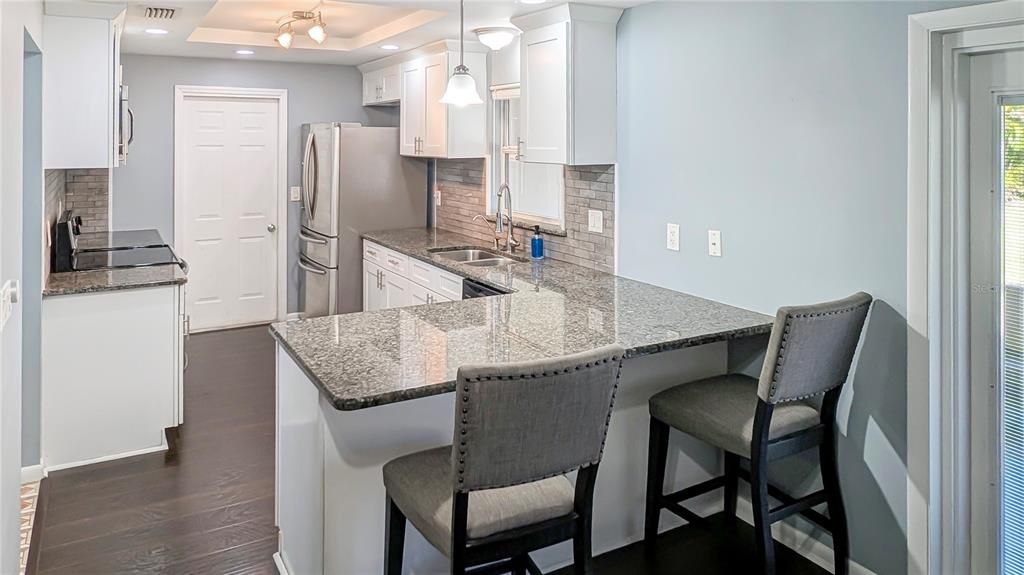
117	384
391	279
382	86
82	92
431	129
505	67
568	85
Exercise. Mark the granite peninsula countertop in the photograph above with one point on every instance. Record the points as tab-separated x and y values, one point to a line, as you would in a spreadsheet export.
69	283
365	359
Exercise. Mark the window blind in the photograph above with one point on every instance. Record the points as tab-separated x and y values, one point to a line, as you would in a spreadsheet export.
1011	172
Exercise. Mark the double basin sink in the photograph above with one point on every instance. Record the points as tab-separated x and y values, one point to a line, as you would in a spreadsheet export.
476	257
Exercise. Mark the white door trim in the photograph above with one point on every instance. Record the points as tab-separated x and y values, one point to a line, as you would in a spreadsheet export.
937	518
281	95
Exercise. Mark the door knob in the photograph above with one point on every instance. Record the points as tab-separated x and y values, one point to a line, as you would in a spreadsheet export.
271	228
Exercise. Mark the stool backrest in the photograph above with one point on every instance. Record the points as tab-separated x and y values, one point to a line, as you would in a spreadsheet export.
522	422
811	348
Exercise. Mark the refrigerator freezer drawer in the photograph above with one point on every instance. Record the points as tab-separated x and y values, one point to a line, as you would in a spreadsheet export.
319	249
319	289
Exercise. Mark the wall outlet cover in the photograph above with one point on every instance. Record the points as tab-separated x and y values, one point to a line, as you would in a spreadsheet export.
715	243
295	193
672	237
595	221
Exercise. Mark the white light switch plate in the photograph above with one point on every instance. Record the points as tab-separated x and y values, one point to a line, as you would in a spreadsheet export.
295	193
595	221
672	237
715	243
8	295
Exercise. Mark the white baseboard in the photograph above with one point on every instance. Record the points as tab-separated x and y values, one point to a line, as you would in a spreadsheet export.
281	569
801	541
144	451
32	473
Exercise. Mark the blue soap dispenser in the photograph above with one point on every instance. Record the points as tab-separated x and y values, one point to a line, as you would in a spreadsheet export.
537	244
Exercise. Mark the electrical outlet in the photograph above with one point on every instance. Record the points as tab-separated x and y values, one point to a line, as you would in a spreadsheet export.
672	237
437	199
595	221
295	193
715	243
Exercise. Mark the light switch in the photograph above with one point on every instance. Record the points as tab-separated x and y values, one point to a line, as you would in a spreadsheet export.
715	243
295	193
595	221
8	295
672	237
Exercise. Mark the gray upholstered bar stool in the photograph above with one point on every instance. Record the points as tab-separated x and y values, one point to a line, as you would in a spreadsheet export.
500	491
762	420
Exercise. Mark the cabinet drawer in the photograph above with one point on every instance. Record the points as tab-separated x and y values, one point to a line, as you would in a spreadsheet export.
423	273
449	285
395	262
373	253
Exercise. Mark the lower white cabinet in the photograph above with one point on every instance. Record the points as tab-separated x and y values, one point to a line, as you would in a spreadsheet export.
111	374
404	282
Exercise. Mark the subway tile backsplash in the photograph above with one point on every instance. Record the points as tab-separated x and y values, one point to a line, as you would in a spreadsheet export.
88	194
462	185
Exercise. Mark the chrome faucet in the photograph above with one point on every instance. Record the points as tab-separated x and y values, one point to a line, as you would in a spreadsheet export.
510	241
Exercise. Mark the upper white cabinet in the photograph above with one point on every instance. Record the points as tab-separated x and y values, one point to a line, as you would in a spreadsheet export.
382	86
82	92
505	65
434	130
568	84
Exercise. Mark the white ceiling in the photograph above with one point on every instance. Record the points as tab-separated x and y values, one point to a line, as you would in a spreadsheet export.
356	30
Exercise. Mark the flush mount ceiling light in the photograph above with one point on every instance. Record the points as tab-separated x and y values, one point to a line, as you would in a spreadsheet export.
156	31
389	47
317	32
495	38
244	52
461	89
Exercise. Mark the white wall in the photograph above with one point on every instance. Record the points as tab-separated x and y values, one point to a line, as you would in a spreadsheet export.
16	19
782	124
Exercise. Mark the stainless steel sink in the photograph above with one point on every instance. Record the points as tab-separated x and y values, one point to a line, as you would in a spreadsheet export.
474	257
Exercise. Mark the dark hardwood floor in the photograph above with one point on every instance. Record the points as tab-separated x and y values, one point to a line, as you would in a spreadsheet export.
209	509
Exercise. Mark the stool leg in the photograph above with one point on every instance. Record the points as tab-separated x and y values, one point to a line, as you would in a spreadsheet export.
394	539
828	461
657	455
732	475
759	487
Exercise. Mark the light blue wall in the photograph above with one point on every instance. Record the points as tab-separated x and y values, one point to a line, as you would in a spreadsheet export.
784	126
143	191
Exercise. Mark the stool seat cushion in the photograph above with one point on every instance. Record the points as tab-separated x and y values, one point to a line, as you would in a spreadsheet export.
421	485
720	411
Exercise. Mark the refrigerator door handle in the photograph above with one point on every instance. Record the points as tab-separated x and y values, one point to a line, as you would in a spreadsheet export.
312	240
308	266
314	178
305	170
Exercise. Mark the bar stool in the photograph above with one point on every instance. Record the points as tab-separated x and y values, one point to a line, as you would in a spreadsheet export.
762	420
500	491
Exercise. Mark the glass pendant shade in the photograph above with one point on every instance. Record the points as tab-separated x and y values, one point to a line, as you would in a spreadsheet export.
318	32
461	89
285	38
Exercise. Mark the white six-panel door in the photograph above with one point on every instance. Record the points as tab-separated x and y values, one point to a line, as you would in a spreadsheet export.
229	170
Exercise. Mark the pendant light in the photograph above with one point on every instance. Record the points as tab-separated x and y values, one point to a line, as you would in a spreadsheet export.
319	30
461	89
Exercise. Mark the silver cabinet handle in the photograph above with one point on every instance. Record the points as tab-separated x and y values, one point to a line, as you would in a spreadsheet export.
309	239
369	251
519	148
271	228
380	279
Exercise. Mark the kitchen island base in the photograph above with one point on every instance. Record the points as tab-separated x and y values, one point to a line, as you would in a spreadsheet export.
330	499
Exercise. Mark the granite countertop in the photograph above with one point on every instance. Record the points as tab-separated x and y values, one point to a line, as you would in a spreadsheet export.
68	283
365	359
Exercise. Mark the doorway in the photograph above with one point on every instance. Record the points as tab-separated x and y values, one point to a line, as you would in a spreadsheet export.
996	397
230	150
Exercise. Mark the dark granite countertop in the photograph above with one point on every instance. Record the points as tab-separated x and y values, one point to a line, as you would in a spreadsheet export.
361	360
68	283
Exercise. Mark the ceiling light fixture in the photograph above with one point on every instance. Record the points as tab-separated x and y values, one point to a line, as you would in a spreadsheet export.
461	89
244	52
496	38
317	32
532	1
389	47
156	31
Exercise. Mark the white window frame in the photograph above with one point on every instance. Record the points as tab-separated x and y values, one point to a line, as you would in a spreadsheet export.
499	148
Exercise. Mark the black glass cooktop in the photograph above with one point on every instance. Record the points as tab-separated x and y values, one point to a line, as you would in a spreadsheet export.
124	258
119	240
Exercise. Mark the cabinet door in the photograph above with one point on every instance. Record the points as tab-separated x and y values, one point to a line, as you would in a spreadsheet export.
544	85
371	87
435	131
396	291
373	291
391	84
412	109
419	295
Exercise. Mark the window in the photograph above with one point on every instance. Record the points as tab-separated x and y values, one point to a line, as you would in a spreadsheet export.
538	190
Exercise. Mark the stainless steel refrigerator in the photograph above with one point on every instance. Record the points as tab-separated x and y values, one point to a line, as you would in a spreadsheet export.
353	181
